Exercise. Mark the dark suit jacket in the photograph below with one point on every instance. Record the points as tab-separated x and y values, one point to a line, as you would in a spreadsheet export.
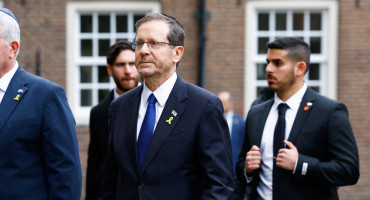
237	134
325	141
97	147
188	159
39	156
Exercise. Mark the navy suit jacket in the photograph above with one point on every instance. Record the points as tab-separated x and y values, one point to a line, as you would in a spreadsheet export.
323	136
38	143
237	134
98	146
188	159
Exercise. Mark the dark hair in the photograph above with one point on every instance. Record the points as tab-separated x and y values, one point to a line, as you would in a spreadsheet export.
176	35
116	49
298	50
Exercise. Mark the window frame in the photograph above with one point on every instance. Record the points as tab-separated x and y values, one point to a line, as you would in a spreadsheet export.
74	9
330	46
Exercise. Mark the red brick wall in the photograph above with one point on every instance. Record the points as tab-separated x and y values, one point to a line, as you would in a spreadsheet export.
43	28
354	84
225	49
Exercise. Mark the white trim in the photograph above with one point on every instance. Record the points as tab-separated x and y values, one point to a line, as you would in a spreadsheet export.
331	50
2	5
73	9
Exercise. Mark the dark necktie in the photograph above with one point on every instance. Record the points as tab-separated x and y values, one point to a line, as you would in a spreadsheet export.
146	130
279	136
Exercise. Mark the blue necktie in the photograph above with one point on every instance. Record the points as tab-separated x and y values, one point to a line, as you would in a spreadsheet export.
146	130
279	136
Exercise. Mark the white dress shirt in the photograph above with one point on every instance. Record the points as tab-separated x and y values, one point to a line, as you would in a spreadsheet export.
229	119
264	187
5	80
161	94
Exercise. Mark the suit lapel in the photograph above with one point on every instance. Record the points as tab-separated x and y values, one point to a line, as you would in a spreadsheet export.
131	122
13	96
305	108
171	114
262	117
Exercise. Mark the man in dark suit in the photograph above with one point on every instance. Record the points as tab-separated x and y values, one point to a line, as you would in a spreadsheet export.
236	128
312	150
266	94
120	66
39	156
188	156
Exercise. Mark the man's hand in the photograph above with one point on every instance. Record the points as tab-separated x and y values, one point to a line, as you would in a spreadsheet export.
253	159
287	158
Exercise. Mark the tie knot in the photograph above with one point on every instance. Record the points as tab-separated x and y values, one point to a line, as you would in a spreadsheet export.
152	99
282	108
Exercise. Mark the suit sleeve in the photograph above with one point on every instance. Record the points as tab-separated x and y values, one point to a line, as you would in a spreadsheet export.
342	166
60	148
215	152
246	145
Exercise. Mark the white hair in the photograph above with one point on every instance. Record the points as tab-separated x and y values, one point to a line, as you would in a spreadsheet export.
10	30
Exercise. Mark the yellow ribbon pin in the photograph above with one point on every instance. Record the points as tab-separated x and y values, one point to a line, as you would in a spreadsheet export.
17	97
169	120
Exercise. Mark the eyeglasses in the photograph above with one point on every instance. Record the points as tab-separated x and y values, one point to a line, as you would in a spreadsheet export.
151	45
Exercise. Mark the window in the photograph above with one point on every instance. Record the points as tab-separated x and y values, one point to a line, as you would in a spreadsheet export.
91	29
313	21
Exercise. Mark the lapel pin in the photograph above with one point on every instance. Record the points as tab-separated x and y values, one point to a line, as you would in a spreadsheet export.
174	113
169	120
308	106
17	97
20	91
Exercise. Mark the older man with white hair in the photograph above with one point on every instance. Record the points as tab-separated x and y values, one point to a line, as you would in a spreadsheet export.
38	143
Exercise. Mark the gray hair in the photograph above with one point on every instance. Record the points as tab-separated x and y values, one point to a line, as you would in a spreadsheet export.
176	35
9	29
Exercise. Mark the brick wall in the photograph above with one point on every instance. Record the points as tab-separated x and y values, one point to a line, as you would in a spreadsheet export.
43	28
354	84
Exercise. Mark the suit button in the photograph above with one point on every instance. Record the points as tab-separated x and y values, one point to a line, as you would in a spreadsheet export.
141	186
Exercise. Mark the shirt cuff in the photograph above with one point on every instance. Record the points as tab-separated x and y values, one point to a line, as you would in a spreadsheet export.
247	178
295	165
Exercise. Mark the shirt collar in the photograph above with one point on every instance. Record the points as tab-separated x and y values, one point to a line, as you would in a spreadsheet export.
294	101
115	93
162	93
229	114
5	80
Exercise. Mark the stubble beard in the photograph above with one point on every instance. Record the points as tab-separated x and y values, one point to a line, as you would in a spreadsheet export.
284	86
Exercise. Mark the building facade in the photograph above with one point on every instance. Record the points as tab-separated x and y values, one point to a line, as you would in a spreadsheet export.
65	41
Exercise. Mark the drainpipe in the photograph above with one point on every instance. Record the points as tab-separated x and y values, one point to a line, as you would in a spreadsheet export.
202	16
38	62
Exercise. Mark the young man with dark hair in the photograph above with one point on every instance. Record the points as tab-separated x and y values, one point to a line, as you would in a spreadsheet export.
299	144
121	66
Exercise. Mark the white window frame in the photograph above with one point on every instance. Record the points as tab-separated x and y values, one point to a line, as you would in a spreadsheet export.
73	9
329	45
